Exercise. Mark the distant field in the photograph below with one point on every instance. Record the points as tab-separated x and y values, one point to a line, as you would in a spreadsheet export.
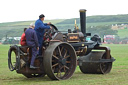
117	76
123	33
101	23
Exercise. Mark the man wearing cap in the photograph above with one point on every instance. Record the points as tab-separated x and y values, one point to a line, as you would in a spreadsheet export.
40	30
32	42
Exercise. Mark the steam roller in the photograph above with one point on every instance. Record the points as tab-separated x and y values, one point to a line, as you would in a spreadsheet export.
96	62
62	52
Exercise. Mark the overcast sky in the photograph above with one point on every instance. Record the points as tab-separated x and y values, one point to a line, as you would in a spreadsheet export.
23	10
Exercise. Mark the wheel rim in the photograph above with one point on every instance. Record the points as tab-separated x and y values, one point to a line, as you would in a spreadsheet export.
12	58
105	67
62	62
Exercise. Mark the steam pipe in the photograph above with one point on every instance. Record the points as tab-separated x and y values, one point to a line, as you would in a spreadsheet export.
83	21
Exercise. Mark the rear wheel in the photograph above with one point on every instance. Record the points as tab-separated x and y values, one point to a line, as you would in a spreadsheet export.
60	61
12	54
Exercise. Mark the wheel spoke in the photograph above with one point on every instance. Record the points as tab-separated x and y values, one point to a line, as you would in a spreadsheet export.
68	61
67	56
55	56
55	65
62	49
66	67
59	72
59	51
53	69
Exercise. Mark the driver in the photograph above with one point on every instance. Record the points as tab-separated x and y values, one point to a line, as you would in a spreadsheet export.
40	30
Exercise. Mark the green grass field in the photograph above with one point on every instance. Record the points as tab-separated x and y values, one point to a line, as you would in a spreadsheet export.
117	76
123	33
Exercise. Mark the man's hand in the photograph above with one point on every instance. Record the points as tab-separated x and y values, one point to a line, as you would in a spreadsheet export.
50	27
37	48
49	23
28	50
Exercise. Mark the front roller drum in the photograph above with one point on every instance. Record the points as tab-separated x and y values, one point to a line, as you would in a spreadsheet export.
95	63
60	61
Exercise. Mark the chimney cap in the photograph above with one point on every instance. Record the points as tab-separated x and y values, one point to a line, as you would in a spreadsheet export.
82	10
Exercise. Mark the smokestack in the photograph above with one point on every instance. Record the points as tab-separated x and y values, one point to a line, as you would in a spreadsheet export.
83	21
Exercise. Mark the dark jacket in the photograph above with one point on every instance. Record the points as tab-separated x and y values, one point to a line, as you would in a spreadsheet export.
31	38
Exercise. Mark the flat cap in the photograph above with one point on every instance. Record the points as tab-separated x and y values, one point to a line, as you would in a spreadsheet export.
41	16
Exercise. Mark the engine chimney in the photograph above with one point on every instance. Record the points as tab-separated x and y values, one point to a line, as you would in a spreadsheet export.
83	21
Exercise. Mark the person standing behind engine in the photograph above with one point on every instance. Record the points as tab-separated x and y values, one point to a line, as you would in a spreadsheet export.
32	42
40	30
23	39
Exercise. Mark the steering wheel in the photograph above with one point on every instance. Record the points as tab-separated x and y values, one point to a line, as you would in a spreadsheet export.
54	29
50	32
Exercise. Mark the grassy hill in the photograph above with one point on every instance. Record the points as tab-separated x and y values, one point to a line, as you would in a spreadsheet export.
16	28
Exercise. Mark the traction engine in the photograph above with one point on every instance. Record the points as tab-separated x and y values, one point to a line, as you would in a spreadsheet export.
62	52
